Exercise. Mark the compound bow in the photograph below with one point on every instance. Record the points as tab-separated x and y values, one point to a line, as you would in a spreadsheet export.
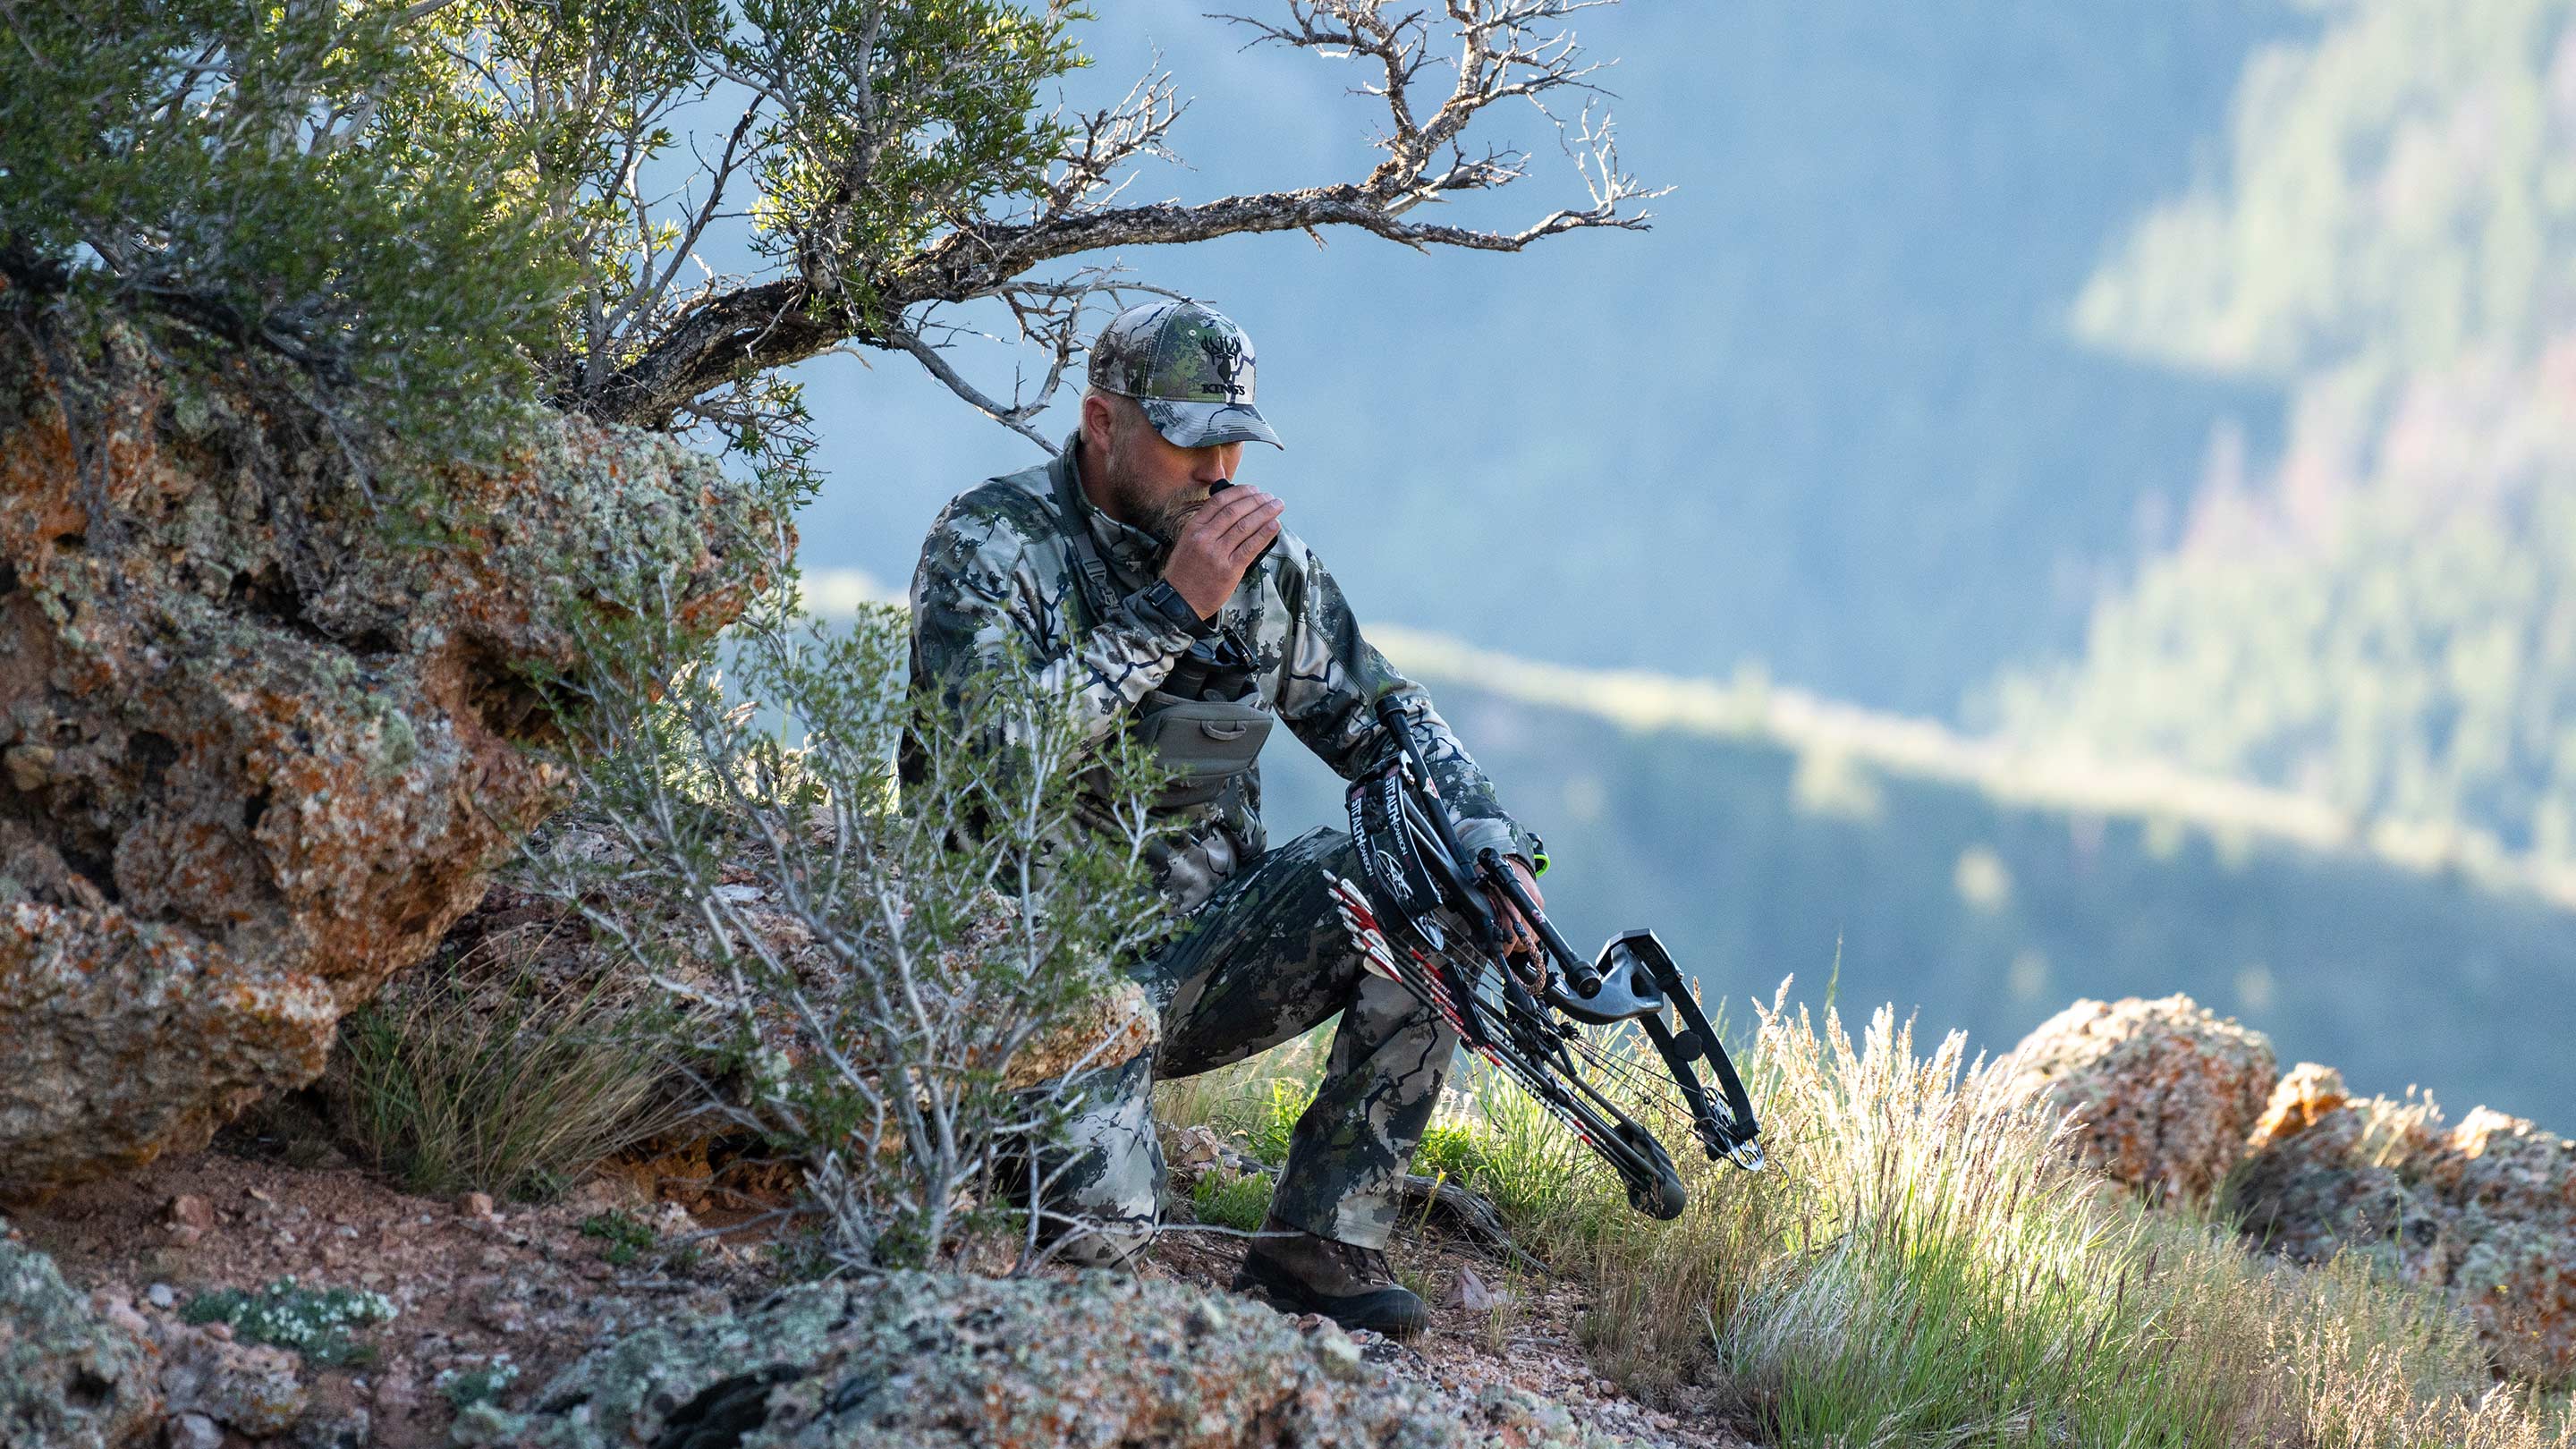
1423	919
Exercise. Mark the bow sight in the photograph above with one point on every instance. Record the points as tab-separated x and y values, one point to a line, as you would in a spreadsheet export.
1423	919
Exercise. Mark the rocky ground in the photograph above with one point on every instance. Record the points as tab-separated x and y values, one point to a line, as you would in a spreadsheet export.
493	1300
481	1294
1518	1333
497	1304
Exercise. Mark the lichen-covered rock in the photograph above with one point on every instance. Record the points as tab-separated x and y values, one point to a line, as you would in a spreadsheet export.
921	1361
68	1379
2484	1213
251	1388
2163	1091
259	742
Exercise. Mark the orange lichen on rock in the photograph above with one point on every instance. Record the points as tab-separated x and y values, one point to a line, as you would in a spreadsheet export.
2307	1094
263	743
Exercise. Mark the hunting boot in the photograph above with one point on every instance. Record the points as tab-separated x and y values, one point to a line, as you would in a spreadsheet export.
1351	1285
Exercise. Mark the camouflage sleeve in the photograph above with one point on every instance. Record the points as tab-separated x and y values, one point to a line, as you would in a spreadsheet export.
1330	682
981	601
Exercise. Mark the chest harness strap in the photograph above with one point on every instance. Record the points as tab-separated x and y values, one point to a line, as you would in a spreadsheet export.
1206	724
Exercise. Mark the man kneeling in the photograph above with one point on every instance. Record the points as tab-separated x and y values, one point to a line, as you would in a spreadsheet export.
1169	603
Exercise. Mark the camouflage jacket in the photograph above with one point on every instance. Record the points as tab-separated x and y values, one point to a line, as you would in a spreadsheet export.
999	568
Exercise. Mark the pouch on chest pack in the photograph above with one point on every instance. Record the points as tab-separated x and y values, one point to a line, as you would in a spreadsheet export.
1207	726
1203	742
1206	723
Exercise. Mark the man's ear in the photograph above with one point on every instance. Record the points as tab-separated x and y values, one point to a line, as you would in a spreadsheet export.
1099	422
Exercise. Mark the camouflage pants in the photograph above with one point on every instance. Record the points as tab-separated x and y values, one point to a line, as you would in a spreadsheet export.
1265	960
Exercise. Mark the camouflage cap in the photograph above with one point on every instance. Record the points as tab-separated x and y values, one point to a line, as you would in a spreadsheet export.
1191	369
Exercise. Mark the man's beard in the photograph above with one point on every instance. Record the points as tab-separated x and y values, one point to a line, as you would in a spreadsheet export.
1162	518
1166	520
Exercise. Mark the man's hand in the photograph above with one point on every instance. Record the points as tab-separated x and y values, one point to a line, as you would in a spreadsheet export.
1520	938
1218	543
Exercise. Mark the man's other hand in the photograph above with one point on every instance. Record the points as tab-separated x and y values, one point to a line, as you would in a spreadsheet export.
1520	938
1219	542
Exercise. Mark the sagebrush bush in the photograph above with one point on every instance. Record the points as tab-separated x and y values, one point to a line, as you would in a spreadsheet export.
900	986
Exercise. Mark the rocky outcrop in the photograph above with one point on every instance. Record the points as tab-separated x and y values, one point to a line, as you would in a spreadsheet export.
2163	1092
262	730
920	1361
2484	1213
2171	1100
68	1380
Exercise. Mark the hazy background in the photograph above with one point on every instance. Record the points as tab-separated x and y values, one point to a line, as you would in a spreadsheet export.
2115	457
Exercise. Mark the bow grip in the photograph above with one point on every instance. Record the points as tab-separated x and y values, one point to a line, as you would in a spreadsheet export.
1587	981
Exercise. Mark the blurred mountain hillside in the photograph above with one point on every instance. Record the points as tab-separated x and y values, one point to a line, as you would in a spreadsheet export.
1764	832
2385	618
1828	414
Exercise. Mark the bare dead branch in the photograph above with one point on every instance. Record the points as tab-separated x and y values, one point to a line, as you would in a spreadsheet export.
1504	50
1108	140
775	324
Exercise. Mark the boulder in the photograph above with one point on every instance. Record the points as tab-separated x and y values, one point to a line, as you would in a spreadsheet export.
2483	1213
925	1361
2163	1092
207	1375
263	729
68	1378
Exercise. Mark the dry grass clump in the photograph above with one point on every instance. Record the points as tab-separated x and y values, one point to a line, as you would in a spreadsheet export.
1927	1264
499	1077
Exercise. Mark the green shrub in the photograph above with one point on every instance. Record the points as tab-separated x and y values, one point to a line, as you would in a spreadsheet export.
484	1384
1453	1151
626	1235
300	184
315	1322
1544	1183
1227	1200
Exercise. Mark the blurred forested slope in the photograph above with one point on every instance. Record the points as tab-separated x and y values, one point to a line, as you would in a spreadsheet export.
1827	415
1764	834
2386	616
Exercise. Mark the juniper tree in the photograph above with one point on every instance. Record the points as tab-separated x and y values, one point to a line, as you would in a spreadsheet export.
413	210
